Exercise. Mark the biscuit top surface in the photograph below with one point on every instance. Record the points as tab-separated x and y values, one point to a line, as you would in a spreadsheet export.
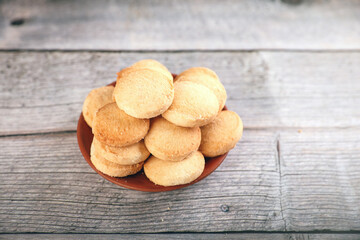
197	71
176	168
147	64
193	105
96	99
222	134
153	64
114	127
208	78
167	173
172	140
227	122
144	93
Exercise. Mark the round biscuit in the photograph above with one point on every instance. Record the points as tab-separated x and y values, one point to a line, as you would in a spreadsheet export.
114	127
96	99
170	142
221	135
128	155
155	65
167	173
149	64
194	105
113	169
144	93
208	78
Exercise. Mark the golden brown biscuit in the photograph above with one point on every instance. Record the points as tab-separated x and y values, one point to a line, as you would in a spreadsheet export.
128	155
96	99
113	169
114	127
149	64
170	142
221	135
208	78
167	173
153	64
144	93
124	72
194	105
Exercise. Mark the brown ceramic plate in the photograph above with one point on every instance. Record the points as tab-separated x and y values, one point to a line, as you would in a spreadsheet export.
138	181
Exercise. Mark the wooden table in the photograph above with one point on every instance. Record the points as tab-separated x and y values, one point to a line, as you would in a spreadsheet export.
291	70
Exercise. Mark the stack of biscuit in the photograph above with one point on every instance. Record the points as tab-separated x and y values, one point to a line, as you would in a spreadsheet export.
178	121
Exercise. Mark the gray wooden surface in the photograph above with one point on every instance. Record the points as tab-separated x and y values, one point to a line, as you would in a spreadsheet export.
294	175
180	25
185	236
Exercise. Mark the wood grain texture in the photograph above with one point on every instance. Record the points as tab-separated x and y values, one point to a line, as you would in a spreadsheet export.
267	89
311	184
320	179
179	25
184	236
296	169
48	187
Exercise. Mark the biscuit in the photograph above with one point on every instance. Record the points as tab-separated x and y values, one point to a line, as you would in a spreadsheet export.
129	155
113	169
194	105
155	65
170	142
221	135
114	127
208	78
167	173
144	93
96	99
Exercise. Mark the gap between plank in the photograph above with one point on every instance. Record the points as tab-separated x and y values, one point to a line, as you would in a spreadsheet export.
181	50
36	133
247	231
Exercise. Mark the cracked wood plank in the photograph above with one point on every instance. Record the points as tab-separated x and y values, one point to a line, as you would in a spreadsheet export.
44	91
179	25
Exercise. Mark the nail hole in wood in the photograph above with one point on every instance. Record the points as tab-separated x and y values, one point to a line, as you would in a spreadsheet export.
17	22
224	208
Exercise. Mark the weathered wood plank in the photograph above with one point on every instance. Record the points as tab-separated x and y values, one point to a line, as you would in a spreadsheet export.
185	236
43	92
46	186
174	25
320	179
